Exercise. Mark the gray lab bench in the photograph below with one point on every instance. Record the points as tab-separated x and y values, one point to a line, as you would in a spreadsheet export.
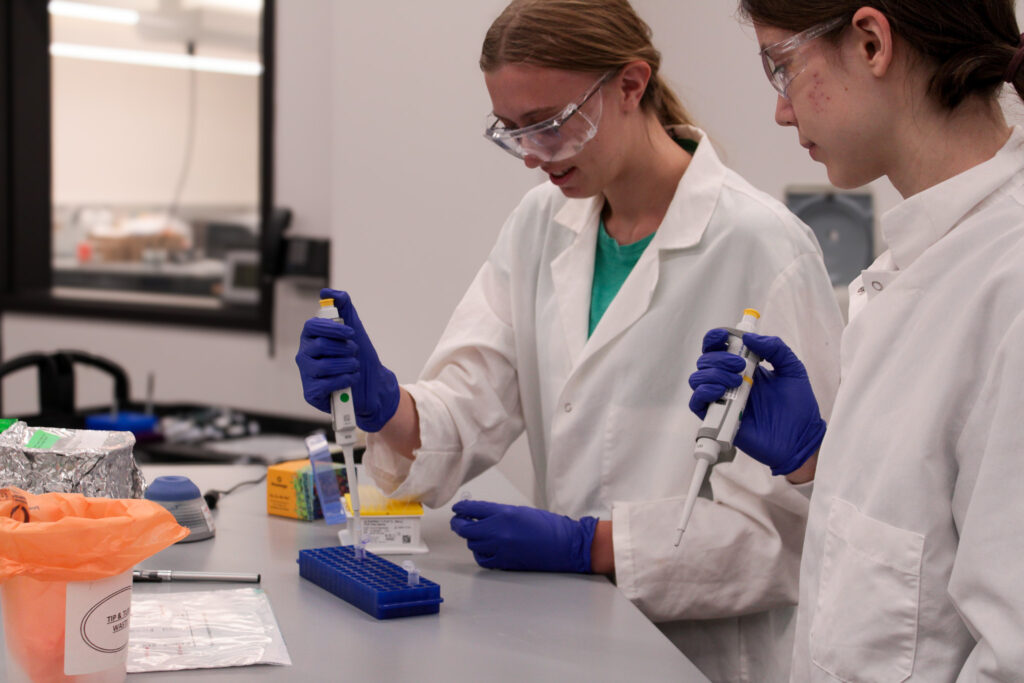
493	625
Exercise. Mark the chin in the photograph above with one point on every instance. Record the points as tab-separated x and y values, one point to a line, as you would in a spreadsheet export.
846	181
577	192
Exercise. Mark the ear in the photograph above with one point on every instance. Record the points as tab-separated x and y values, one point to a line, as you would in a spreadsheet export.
632	83
874	40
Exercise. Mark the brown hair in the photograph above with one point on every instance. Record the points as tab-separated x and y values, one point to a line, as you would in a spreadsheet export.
580	35
969	42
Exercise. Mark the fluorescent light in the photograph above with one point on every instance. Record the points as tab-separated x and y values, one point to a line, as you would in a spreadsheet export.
168	60
81	10
252	6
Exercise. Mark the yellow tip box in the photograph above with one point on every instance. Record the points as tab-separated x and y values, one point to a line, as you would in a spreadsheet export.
393	526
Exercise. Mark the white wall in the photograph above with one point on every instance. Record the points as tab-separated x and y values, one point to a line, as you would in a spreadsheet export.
380	109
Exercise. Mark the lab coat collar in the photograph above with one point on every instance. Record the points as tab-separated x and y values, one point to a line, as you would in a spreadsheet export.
917	223
684	224
692	205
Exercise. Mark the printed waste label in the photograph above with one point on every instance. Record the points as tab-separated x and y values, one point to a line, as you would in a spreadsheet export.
96	624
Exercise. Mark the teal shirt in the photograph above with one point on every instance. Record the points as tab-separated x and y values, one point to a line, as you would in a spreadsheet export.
614	262
612	265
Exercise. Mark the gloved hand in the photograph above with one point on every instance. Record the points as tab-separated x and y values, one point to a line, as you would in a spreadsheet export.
333	356
781	425
524	538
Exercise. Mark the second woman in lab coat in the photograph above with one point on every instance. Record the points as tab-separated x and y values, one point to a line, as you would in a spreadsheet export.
914	551
580	328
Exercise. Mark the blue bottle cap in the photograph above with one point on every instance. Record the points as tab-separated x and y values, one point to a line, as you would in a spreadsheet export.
172	488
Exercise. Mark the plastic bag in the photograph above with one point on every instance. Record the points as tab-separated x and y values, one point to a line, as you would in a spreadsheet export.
52	539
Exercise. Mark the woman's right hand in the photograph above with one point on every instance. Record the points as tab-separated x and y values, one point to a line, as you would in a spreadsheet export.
333	356
781	425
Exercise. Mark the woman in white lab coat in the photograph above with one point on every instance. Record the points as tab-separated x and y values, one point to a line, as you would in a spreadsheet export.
914	552
581	327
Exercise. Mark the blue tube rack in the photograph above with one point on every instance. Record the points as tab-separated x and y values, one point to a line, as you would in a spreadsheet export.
375	585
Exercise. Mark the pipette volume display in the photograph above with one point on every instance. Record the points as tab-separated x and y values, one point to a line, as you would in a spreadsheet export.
722	420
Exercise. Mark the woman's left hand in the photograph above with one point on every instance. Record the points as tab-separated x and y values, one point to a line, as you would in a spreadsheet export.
524	538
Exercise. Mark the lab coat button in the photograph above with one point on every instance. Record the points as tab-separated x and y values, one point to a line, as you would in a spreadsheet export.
877	286
568	407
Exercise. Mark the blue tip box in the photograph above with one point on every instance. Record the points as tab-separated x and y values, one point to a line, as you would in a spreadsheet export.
375	585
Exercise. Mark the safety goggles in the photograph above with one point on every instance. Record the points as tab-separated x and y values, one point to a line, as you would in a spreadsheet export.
782	63
554	139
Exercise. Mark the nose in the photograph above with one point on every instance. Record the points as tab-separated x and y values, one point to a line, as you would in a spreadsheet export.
784	114
532	161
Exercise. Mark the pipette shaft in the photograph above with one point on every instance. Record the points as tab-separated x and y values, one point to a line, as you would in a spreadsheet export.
343	420
722	420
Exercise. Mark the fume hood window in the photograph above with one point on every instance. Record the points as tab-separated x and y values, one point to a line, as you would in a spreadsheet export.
155	149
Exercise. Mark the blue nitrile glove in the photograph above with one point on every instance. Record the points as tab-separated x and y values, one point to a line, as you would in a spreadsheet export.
333	356
524	538
781	425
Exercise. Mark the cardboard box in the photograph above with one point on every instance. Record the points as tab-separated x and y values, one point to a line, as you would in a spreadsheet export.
291	492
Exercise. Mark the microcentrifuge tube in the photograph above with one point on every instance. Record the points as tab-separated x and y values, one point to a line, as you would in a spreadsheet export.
414	573
360	548
465	495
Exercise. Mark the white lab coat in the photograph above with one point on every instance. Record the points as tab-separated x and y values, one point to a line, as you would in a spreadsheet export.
607	421
914	553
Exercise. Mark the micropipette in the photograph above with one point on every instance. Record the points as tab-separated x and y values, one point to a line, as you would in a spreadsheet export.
343	420
719	428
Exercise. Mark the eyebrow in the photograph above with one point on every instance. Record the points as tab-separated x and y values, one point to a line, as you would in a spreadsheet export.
533	116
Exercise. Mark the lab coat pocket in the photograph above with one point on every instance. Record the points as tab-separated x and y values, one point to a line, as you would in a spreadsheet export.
864	628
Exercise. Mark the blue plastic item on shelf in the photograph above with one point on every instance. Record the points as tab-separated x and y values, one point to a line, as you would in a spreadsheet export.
375	585
123	421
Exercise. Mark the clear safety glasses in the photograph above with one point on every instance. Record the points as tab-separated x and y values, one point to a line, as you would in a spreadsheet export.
781	61
554	139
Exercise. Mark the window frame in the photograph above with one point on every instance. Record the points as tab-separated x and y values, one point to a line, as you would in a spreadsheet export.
26	271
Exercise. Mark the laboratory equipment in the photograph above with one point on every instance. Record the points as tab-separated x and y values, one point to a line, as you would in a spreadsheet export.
66	580
343	420
375	585
389	525
292	493
556	138
413	573
360	547
716	433
160	575
181	496
325	479
843	223
98	464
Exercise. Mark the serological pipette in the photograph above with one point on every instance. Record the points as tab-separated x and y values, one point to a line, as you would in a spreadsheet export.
343	421
718	430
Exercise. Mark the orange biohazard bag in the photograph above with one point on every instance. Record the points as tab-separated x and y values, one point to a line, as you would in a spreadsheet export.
51	540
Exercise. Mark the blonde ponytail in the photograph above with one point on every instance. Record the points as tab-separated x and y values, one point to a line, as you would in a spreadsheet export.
595	36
